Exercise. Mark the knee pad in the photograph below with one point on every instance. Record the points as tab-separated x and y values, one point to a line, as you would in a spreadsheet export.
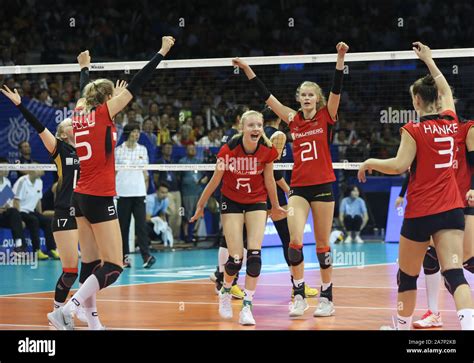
107	274
430	262
254	262
406	282
469	265
324	257
65	282
453	279
87	269
295	254
232	266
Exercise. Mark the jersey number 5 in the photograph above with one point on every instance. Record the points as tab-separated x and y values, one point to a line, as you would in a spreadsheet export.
446	151
83	144
310	148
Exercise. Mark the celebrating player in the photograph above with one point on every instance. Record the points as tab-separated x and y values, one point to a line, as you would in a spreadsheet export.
312	177
245	166
434	203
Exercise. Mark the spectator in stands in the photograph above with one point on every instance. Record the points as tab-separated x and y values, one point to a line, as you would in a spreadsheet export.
163	135
28	191
211	140
353	215
10	217
148	128
131	191
25	152
191	187
174	210
157	205
342	142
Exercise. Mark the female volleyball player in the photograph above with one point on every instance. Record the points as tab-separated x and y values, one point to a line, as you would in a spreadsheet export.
465	181
435	206
312	177
245	166
62	150
278	138
96	215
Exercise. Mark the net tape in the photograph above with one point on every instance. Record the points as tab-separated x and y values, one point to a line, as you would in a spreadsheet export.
345	165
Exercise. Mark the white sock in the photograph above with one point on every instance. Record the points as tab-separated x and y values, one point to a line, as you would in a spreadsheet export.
18	242
466	318
223	257
325	285
297	282
89	287
249	295
57	305
404	322
90	310
432	291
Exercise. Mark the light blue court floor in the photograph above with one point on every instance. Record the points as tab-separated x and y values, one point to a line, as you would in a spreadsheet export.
191	264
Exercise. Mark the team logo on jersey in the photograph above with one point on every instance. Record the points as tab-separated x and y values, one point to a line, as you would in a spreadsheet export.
69	161
17	132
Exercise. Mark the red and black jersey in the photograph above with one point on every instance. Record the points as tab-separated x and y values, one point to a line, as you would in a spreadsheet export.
243	180
96	137
464	171
311	149
432	188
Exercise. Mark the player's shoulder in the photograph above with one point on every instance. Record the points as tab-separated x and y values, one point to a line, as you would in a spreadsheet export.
234	142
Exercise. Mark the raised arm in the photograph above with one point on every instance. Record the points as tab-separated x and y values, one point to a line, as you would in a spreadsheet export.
46	136
335	94
118	103
397	165
284	112
446	95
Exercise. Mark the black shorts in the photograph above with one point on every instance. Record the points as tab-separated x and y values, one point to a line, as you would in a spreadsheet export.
314	193
64	220
281	199
422	228
469	211
96	209
228	206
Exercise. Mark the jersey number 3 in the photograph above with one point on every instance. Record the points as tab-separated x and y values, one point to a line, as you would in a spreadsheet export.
83	144
446	151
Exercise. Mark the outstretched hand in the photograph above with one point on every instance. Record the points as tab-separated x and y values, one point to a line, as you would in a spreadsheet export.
166	43
361	174
422	51
119	87
84	59
342	48
14	96
238	62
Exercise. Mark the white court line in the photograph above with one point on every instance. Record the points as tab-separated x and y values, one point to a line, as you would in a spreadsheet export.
201	278
180	302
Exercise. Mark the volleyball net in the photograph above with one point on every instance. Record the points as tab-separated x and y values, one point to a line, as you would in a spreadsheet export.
186	99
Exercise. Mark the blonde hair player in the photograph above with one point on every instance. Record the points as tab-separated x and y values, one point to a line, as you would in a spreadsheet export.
435	206
312	177
62	149
245	166
96	216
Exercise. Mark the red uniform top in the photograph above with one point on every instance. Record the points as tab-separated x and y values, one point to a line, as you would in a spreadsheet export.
311	150
432	188
243	180
91	132
464	171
